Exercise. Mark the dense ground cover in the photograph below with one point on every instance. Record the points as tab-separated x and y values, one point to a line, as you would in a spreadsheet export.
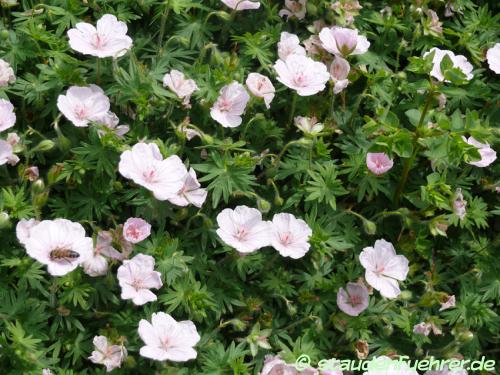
196	187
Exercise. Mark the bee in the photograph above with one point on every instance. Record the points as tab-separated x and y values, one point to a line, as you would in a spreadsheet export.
63	254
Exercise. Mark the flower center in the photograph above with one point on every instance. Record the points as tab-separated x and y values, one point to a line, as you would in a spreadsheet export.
285	238
355	300
150	175
98	41
379	269
241	233
133	232
81	112
165	343
137	284
225	105
299	79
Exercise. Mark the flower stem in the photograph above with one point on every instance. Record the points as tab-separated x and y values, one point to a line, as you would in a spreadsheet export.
292	110
411	160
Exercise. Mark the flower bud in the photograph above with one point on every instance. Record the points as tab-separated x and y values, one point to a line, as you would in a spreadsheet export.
370	227
406	295
40	200
38	186
54	173
465	336
263	205
4	34
4	220
45	145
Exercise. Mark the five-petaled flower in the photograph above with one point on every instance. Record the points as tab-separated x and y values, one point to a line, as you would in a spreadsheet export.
384	268
136	277
167	339
230	105
108	39
354	299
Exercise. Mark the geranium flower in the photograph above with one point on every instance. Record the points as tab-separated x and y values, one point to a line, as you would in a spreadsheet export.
242	4
145	166
354	299
339	70
7	115
47	371
6	73
290	236
182	87
97	265
384	268
108	355
302	74
448	304
81	105
385	366
243	229
108	39
31	173
167	339
488	155
136	230
343	41
111	121
190	193
459	204
289	44
7	154
136	277
262	87
459	62
493	57
230	105
60	244
378	162
274	365
295	9
308	125
13	139
422	329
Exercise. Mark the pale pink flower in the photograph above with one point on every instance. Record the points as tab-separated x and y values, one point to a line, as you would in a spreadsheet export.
313	46
378	162
13	139
433	23
290	236
81	105
108	355
7	154
354	299
450	303
6	73
308	125
274	365
7	115
190	193
262	87
339	71
493	57
136	277
488	155
242	4
97	265
167	339
23	228
182	87
458	61
459	204
230	105
111	121
422	328
289	44
108	39
31	173
136	230
293	9
190	133
302	74
60	244
384	268
243	229
145	166
47	371
343	41
385	366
